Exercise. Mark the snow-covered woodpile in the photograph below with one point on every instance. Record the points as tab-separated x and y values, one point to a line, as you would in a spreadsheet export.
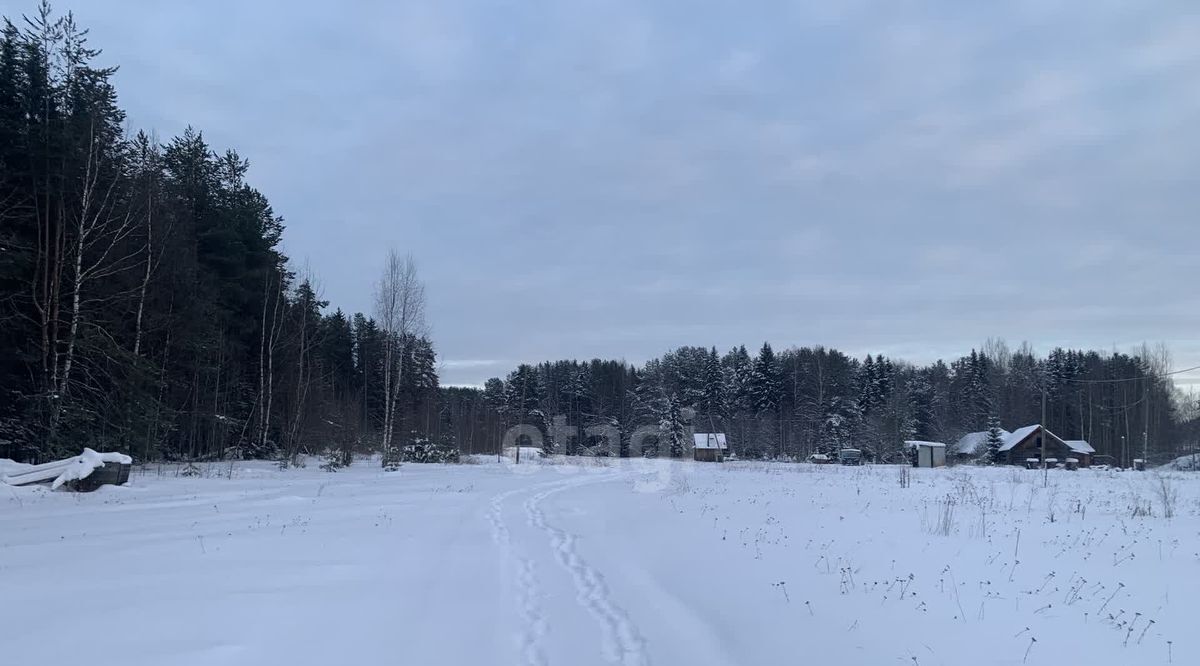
71	472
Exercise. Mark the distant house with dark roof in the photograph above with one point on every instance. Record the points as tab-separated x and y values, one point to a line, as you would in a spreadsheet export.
1036	442
1025	444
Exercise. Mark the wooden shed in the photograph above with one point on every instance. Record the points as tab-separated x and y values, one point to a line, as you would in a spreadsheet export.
927	454
709	446
1081	451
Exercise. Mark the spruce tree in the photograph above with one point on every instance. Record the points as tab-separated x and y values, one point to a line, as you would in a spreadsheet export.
671	425
713	403
995	439
765	381
738	370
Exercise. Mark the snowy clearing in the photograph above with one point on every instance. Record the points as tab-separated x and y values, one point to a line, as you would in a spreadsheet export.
613	562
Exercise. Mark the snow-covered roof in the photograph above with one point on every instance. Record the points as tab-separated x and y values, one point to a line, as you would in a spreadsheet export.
710	440
1015	437
1080	446
1019	435
975	443
914	443
1189	463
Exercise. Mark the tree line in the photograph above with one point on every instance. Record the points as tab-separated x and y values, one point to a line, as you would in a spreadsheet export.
145	304
800	401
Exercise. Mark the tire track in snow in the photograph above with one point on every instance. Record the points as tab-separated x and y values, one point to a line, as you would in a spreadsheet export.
500	535
622	642
534	625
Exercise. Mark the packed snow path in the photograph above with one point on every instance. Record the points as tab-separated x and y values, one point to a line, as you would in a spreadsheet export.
624	562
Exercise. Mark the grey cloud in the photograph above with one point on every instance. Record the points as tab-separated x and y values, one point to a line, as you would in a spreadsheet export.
612	179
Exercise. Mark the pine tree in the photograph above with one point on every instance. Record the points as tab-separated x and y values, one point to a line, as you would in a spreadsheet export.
765	381
334	460
920	393
713	402
995	440
493	394
868	385
549	444
671	425
980	388
839	425
523	391
579	393
738	370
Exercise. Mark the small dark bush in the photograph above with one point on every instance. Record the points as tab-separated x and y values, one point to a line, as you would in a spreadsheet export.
424	451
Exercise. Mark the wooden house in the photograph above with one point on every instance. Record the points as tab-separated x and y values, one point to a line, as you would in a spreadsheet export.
1036	442
1023	445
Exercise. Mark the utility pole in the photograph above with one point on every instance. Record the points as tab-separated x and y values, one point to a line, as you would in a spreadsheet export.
1042	439
1146	424
524	385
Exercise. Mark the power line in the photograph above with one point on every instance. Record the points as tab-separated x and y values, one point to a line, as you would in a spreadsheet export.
1131	379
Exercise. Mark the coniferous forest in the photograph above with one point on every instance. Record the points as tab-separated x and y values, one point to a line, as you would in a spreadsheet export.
146	307
808	400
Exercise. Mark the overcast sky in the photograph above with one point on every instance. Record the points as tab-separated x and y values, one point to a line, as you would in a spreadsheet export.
617	178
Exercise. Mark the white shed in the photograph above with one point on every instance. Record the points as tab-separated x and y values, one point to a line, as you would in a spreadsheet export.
928	454
709	446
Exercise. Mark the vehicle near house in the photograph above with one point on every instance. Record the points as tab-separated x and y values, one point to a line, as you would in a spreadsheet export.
820	459
850	457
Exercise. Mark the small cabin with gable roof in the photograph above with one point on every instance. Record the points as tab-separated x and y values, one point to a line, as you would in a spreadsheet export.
709	446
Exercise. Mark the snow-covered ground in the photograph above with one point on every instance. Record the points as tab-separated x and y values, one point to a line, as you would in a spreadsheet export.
633	562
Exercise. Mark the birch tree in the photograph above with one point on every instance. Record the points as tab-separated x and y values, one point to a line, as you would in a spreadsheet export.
400	313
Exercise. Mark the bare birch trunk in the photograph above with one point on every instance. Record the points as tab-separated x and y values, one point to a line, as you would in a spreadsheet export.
270	387
141	308
400	308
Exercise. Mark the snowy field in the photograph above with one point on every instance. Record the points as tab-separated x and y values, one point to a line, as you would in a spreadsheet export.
633	562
